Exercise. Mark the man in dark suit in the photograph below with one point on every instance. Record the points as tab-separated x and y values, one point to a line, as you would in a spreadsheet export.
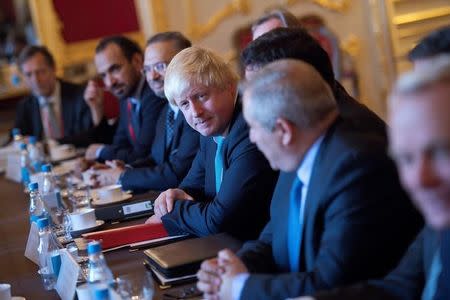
419	142
342	210
230	183
175	143
297	43
56	108
119	63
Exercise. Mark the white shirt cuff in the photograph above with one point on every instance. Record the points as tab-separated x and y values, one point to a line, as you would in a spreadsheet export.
238	284
98	151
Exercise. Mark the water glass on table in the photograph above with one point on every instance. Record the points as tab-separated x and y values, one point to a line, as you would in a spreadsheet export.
135	286
80	197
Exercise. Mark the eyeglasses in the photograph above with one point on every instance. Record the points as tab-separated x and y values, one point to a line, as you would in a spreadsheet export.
159	67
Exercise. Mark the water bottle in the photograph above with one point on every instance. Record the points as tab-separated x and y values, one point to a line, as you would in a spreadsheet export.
51	194
102	293
37	208
25	167
98	271
36	155
49	257
17	138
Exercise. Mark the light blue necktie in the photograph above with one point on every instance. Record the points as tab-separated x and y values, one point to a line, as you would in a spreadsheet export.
218	162
295	222
432	280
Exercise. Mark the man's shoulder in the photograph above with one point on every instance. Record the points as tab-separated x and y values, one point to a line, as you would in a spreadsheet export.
345	137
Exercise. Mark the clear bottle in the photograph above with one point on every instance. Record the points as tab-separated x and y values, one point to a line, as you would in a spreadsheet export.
51	194
37	208
17	138
98	271
102	293
36	155
48	180
49	257
25	167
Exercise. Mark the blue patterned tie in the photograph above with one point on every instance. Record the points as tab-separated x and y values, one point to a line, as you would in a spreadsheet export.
170	121
218	162
295	222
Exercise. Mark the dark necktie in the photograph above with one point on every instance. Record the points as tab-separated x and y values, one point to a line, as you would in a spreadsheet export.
170	121
443	285
295	223
133	118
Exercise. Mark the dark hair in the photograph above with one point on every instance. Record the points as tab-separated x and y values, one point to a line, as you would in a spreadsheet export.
437	42
181	42
30	51
287	18
295	43
128	47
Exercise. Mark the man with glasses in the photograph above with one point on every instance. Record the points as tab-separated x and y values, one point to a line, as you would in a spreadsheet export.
119	63
175	143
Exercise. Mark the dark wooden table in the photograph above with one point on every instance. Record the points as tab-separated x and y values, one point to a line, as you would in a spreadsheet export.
20	272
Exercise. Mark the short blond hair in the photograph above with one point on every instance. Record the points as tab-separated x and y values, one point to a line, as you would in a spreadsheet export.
195	65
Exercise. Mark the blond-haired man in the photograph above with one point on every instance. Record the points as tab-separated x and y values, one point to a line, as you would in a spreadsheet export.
230	184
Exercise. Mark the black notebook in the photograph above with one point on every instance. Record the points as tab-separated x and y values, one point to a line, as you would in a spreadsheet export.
184	258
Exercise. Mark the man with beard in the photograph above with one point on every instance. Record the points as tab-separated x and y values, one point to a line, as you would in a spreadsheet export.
119	63
175	143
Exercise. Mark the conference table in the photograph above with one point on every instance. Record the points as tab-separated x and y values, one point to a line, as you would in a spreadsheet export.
22	274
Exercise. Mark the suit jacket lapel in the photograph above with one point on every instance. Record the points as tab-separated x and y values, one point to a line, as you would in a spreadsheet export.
36	119
67	108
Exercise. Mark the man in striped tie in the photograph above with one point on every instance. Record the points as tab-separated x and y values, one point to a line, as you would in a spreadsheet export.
55	109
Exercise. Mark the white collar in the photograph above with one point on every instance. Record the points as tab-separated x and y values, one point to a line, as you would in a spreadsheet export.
305	170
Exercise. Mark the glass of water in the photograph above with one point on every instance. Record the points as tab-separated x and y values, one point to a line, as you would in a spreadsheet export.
80	197
135	286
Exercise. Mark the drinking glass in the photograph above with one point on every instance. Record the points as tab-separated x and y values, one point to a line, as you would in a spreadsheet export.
135	286
80	197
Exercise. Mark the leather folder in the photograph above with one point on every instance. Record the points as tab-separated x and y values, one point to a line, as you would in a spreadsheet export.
126	235
184	258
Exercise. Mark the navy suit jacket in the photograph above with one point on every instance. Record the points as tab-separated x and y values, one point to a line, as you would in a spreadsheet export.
165	167
75	112
358	221
405	282
241	207
124	147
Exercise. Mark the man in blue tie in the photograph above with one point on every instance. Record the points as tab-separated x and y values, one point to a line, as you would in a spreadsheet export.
175	143
420	144
334	213
229	185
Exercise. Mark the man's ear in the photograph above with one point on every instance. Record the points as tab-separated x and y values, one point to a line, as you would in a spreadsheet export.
137	61
285	129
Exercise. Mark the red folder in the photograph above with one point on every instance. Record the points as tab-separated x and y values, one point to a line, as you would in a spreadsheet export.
126	235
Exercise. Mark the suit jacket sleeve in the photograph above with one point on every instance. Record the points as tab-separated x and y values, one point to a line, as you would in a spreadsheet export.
405	282
169	173
245	191
354	240
254	252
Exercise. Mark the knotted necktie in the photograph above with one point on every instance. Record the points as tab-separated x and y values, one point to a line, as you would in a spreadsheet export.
170	121
218	162
429	289
133	118
443	285
295	222
51	122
